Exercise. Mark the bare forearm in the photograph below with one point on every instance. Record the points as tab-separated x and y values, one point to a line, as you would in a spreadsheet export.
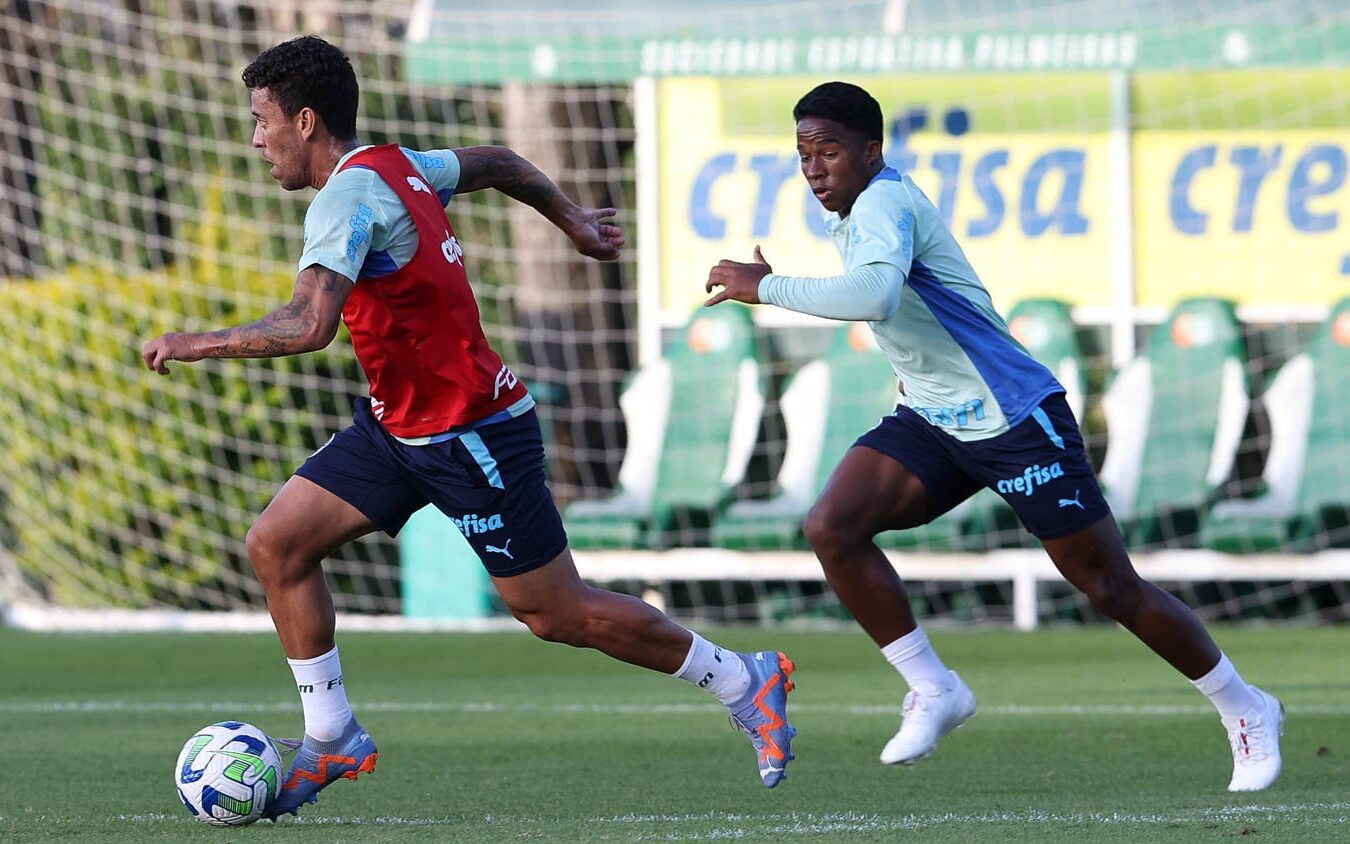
538	191
504	170
305	323
290	330
591	230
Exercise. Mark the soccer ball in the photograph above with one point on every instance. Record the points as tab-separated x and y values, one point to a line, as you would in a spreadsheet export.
227	773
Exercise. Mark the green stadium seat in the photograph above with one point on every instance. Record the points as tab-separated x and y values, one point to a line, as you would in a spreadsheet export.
826	405
692	420
1175	416
1306	502
1046	329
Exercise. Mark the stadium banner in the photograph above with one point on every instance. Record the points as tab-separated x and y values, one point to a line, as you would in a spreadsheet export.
1243	195
1237	178
1017	164
527	41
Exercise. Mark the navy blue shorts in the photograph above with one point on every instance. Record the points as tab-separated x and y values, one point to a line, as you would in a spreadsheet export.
490	481
1039	466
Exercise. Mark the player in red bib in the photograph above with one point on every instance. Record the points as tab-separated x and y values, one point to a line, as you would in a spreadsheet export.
446	422
417	331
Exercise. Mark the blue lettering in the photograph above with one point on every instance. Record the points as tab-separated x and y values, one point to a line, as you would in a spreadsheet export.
948	165
1032	477
360	223
989	193
973	407
956	121
953	417
1255	167
701	217
1186	219
430	162
473	523
901	157
773	172
1302	187
907	124
904	160
815	221
1065	213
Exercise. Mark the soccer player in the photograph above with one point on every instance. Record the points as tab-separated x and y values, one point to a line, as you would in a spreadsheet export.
446	421
978	411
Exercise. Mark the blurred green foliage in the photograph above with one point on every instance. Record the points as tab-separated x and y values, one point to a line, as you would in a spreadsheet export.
127	487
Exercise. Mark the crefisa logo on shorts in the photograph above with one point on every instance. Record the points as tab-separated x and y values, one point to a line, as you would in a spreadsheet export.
473	523
1031	478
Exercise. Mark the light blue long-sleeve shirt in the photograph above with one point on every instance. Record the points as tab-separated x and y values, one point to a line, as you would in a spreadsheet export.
907	277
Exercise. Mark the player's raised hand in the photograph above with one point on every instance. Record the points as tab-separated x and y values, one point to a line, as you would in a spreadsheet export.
597	236
738	281
166	347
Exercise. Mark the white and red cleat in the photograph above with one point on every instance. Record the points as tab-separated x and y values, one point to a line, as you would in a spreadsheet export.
1255	739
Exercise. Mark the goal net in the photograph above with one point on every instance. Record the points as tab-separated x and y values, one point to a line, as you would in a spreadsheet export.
1157	194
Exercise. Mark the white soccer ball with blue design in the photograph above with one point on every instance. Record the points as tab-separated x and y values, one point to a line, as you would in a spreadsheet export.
227	773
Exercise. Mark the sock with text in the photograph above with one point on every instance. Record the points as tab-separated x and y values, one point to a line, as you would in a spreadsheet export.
716	669
322	694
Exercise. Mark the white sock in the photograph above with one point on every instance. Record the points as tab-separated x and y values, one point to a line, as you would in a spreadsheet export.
915	659
718	670
1229	693
322	694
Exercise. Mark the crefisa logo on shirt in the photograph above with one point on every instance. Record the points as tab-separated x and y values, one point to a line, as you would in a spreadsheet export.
360	223
1031	478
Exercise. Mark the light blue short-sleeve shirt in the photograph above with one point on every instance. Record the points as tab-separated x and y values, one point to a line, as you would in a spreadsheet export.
357	226
961	368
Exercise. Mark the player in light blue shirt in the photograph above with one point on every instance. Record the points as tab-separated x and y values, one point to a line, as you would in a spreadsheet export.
977	411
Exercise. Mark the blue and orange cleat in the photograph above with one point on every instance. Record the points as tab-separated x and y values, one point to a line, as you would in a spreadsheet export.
319	763
762	713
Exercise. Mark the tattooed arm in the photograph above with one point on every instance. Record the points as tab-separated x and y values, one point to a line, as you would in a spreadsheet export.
591	230
306	323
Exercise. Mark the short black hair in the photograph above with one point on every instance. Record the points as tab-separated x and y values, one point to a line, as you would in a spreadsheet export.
844	103
308	72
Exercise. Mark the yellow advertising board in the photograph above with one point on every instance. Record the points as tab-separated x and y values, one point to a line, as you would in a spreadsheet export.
1261	217
1017	165
1238	185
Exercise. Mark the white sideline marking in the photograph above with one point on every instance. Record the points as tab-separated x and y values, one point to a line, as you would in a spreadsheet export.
738	825
237	707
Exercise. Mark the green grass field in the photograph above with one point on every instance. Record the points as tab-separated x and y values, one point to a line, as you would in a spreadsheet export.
1082	735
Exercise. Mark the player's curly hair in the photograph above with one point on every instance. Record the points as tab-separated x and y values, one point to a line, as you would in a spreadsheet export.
843	103
309	72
